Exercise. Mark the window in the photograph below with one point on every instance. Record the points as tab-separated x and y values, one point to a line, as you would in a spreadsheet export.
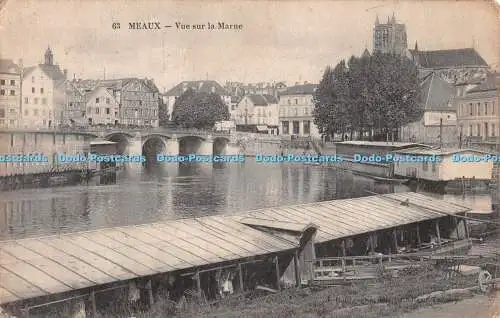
41	90
97	100
486	108
470	130
2	91
12	82
296	101
478	109
285	126
296	111
425	166
493	130
154	112
307	127
26	100
478	130
306	111
97	110
35	113
470	109
289	102
12	122
12	92
44	101
2	82
33	90
107	111
107	101
2	112
296	127
35	101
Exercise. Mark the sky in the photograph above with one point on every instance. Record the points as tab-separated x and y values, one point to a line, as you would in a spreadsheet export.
285	40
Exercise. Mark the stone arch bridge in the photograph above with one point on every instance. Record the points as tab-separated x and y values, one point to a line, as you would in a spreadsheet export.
170	142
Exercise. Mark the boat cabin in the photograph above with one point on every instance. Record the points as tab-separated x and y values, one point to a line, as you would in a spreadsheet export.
367	148
439	165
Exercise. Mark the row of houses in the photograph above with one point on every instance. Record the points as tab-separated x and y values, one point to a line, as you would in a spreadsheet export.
42	96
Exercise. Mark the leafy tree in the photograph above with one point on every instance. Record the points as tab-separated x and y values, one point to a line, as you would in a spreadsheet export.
199	110
377	92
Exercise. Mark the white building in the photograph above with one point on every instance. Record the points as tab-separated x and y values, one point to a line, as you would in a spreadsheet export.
42	104
257	111
102	107
296	107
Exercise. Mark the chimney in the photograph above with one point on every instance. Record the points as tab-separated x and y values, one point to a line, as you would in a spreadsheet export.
65	71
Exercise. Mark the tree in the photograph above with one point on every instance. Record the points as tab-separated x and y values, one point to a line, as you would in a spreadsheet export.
199	110
371	93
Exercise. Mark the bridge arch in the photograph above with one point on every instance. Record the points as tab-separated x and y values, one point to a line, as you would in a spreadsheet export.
191	144
122	141
153	145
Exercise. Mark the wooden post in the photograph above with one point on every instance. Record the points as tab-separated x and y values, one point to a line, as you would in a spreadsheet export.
343	255
149	288
438	234
240	276
419	239
466	229
372	246
456	223
296	265
198	282
93	304
278	276
395	241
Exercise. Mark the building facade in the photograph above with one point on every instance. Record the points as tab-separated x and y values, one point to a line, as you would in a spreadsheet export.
10	94
478	111
102	108
296	107
43	94
390	37
208	86
138	102
257	111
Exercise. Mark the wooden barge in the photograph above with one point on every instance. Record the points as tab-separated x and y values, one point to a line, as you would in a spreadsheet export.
273	247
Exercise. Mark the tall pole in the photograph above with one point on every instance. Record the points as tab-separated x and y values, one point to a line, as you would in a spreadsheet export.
460	136
440	133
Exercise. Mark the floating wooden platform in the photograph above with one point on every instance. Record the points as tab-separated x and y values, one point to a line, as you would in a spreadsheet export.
48	265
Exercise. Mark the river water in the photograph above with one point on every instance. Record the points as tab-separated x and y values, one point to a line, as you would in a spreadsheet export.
143	195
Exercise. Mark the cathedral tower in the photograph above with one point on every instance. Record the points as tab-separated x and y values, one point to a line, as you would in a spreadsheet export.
389	37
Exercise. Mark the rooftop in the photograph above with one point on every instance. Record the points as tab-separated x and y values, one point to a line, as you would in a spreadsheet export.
436	93
349	217
198	86
380	144
435	152
448	58
262	99
8	66
303	89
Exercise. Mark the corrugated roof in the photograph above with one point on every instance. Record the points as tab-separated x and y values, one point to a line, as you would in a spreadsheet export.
42	266
435	152
281	225
343	218
448	58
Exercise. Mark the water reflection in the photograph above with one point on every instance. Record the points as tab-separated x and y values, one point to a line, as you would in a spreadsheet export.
149	194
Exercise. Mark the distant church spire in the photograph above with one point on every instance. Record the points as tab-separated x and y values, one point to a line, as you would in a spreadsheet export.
376	20
49	57
416	46
393	20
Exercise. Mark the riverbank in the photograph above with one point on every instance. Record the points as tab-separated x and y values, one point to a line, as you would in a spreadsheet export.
388	297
